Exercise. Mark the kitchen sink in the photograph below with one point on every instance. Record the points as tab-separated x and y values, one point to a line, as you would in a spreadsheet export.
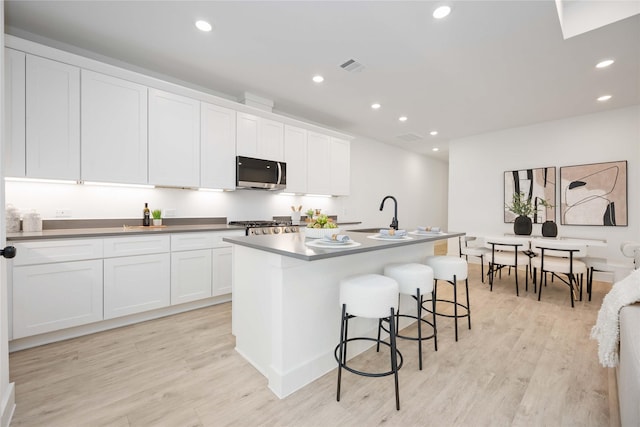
367	230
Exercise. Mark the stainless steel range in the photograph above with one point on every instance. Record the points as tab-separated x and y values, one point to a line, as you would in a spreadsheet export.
255	228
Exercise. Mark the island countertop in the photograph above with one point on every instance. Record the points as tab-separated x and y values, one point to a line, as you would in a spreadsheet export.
294	245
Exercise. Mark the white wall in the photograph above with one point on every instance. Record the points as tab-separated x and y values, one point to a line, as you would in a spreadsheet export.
418	182
477	165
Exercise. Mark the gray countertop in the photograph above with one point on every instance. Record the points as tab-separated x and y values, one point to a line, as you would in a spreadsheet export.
294	245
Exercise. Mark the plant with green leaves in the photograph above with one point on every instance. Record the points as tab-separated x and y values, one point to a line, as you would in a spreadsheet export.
523	206
156	214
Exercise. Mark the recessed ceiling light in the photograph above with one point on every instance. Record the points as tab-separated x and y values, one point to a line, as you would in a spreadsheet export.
441	12
318	79
203	26
604	98
375	106
435	149
403	118
605	63
433	133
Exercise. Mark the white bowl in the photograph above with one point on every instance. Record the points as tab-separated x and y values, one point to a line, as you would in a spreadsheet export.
319	233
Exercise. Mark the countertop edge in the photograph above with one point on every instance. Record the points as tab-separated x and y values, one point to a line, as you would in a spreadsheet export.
361	249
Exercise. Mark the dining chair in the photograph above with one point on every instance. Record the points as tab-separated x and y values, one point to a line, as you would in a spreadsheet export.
562	260
508	252
467	250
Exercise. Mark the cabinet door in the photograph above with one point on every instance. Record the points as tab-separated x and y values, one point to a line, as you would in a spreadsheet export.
52	119
14	130
222	271
247	135
135	284
174	140
190	276
295	150
217	147
340	163
271	140
318	171
56	296
114	129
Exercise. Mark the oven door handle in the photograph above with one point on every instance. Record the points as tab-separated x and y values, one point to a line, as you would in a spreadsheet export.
279	173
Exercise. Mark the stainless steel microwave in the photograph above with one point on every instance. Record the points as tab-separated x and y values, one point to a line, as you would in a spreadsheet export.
260	174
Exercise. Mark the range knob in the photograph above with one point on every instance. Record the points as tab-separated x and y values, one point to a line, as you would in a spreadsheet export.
276	230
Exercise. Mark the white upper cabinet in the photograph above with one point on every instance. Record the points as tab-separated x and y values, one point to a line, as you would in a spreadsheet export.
52	119
340	166
318	166
174	139
295	150
14	130
114	129
271	140
259	138
247	135
217	147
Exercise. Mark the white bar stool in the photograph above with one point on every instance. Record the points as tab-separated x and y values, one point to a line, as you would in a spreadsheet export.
414	280
450	269
372	296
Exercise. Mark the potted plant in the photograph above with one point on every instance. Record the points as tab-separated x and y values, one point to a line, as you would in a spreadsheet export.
157	216
524	207
309	215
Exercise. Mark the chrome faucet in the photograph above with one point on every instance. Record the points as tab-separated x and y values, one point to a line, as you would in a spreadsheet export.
394	221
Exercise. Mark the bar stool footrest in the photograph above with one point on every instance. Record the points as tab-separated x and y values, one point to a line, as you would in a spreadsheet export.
384	328
448	302
367	374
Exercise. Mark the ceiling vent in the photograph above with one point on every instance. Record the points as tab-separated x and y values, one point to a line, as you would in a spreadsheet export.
352	66
410	137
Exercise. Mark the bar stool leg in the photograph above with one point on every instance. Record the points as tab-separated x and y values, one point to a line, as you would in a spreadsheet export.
455	304
468	304
419	300
433	311
394	357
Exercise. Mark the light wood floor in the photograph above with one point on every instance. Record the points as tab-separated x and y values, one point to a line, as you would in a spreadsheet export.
524	363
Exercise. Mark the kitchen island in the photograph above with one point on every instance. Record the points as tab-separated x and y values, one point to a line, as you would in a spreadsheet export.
286	313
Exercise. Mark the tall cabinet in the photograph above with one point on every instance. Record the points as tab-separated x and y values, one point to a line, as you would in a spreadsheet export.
52	119
114	129
217	147
174	139
14	129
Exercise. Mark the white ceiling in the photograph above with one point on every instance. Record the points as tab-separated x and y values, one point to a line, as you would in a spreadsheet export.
489	65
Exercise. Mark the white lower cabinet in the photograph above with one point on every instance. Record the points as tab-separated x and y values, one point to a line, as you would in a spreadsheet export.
62	283
135	284
190	275
222	276
48	297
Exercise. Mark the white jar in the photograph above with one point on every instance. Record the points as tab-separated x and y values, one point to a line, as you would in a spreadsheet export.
12	219
31	222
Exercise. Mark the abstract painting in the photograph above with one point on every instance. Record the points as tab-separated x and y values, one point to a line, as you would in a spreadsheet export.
594	194
537	185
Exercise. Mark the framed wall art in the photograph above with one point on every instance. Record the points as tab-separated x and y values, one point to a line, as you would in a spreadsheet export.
537	185
594	194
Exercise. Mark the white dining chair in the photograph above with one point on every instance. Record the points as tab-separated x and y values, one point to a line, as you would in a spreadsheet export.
561	259
508	252
474	250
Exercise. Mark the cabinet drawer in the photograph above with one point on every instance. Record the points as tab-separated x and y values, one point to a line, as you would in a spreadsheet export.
191	241
139	245
50	251
218	236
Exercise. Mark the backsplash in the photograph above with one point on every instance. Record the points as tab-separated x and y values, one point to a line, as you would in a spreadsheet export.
122	202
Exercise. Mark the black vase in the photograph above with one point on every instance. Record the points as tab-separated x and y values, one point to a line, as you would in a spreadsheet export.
549	229
522	226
